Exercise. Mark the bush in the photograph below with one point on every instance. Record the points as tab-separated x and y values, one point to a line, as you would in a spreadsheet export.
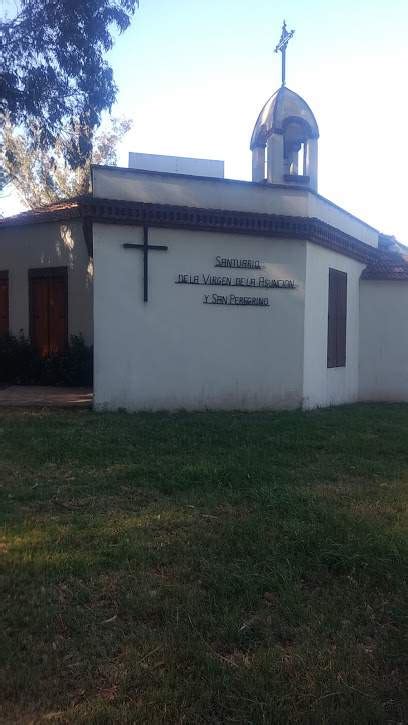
73	367
20	363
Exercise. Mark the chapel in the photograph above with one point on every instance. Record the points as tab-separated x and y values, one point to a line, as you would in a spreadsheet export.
201	292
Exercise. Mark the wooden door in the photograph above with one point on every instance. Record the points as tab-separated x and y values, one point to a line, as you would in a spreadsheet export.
4	303
48	317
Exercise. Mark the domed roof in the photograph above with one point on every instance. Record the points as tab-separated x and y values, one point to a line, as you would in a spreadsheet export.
283	106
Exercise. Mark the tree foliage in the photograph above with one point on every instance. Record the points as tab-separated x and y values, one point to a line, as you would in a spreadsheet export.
41	174
54	70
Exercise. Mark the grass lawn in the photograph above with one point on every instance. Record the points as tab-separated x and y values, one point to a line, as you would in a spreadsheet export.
204	568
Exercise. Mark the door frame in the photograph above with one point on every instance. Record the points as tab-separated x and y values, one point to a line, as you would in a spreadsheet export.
43	272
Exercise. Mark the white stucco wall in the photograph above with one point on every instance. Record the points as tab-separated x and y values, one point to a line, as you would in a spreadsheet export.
322	385
323	209
176	352
384	340
54	244
161	188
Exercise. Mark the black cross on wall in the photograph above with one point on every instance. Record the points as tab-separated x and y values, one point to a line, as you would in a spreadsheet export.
145	247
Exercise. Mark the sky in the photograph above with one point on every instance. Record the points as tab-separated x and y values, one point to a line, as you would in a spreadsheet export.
194	74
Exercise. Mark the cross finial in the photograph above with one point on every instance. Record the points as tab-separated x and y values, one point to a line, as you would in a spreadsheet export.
282	45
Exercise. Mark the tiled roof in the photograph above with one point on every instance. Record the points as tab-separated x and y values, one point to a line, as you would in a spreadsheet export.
381	263
383	269
57	211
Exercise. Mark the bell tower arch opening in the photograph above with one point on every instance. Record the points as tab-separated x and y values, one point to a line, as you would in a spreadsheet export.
285	137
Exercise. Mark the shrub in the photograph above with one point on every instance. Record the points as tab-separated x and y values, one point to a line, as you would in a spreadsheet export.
21	364
75	365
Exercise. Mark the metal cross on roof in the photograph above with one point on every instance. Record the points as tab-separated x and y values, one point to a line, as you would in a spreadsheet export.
282	45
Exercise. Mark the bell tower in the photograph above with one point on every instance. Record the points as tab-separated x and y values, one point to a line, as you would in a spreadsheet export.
284	140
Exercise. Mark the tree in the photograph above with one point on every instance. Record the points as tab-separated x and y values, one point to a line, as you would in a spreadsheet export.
55	73
41	174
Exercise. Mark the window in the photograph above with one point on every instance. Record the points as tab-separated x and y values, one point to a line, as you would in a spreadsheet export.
4	303
337	319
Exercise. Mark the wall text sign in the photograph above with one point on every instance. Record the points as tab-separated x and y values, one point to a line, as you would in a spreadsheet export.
210	280
233	280
235	263
215	299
